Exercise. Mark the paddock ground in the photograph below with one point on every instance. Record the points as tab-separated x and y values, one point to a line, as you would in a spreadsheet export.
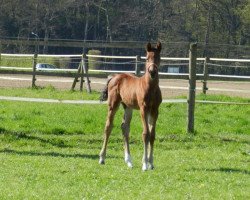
170	87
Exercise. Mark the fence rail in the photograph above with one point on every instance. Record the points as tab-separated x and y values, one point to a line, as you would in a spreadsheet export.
136	60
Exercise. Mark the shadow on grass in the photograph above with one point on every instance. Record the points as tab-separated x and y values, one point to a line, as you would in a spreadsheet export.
62	131
85	142
57	142
224	170
52	154
2	130
53	142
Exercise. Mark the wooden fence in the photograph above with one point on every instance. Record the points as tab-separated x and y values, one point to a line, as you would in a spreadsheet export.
83	73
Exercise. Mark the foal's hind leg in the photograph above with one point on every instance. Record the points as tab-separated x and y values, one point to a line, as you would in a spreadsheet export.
113	107
125	131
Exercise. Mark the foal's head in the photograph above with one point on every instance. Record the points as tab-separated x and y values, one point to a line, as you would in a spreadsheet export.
153	59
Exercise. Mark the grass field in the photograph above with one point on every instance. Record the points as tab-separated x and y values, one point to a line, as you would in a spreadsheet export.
50	151
27	61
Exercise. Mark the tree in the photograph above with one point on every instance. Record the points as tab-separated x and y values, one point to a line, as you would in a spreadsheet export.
210	22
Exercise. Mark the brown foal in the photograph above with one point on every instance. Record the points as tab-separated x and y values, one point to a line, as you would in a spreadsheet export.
133	92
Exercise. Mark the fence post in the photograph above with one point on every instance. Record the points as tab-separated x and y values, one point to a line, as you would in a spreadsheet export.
137	65
81	72
205	75
85	71
192	86
77	74
34	71
0	52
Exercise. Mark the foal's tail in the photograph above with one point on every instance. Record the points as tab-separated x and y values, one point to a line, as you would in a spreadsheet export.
104	94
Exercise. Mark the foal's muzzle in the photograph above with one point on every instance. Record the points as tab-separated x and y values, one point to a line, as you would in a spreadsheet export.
152	73
153	70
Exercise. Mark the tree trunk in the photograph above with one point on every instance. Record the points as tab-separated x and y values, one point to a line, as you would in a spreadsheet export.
86	26
46	38
205	52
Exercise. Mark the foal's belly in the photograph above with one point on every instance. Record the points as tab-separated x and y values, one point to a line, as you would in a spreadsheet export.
131	103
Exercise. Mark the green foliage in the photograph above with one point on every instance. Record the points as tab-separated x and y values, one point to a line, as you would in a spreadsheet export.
245	13
210	22
61	62
94	63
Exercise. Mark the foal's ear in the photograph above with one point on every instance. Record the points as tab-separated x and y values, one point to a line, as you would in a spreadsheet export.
158	46
149	47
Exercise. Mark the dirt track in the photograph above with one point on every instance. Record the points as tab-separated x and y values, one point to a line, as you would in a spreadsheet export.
170	88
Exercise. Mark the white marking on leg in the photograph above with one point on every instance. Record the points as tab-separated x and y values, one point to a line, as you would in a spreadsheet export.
144	166
128	160
150	157
125	130
150	154
145	158
102	161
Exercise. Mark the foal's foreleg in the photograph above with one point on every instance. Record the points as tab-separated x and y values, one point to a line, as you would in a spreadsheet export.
152	118
125	131
107	131
145	138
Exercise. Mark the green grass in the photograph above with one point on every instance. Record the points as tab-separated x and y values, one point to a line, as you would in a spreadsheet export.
13	61
223	98
50	151
49	92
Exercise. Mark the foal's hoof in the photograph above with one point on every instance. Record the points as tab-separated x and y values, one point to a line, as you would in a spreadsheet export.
148	166
130	165
101	162
128	161
144	167
151	167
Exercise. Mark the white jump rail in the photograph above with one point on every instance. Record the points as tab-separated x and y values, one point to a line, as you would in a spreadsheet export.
30	69
229	76
110	71
58	56
229	60
16	68
58	70
112	57
40	55
175	59
17	55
